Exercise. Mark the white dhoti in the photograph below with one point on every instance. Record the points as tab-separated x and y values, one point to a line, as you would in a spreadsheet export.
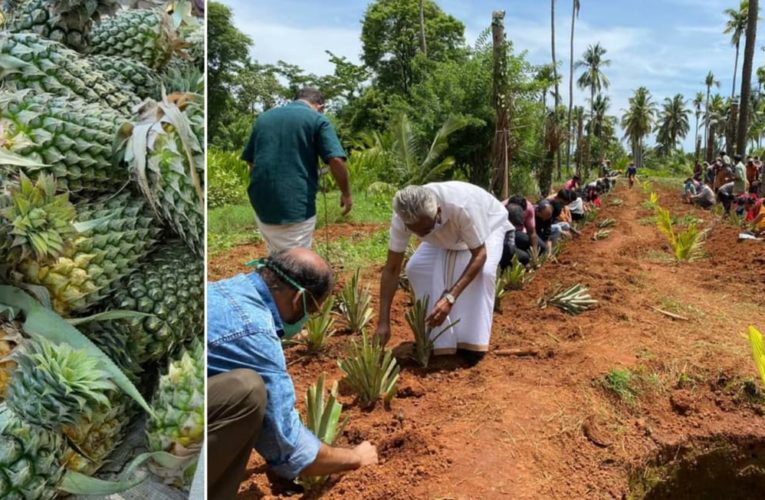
285	236
432	270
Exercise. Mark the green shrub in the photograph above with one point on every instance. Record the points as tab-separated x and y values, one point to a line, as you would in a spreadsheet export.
226	178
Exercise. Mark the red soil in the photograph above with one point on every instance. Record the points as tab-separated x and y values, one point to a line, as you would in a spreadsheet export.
541	426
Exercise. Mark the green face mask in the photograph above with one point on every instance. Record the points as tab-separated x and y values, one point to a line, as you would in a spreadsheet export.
290	329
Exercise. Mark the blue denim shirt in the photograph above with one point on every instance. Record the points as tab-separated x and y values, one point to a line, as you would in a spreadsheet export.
242	326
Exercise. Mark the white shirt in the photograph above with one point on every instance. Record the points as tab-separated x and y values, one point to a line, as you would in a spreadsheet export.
469	215
576	206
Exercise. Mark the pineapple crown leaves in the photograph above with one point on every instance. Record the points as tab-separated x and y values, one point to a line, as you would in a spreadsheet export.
323	417
55	385
42	221
370	370
424	340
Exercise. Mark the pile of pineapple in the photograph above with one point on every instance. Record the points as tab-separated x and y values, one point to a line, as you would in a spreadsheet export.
101	222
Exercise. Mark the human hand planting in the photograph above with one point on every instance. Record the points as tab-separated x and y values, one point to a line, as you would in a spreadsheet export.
439	313
366	453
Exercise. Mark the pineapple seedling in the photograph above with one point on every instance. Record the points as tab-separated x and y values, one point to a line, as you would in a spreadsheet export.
179	421
370	370
320	327
146	35
616	202
573	301
123	235
758	351
165	157
65	21
423	336
591	215
133	75
323	420
354	304
686	246
28	61
514	277
607	223
71	139
601	234
170	287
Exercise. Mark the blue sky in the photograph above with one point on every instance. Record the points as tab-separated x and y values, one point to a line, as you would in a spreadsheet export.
665	45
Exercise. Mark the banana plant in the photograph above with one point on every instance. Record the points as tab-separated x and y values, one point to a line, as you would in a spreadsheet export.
370	370
320	327
323	420
573	301
354	304
423	337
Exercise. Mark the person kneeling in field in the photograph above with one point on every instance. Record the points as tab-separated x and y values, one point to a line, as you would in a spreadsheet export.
251	398
462	228
705	198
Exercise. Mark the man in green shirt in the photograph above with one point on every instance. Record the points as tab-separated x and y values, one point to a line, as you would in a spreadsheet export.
740	184
283	154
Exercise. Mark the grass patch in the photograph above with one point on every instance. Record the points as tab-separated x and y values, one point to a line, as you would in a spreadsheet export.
367	208
659	257
352	253
621	383
647	221
669	304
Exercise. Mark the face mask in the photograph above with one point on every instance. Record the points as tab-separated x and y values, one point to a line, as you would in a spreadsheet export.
290	329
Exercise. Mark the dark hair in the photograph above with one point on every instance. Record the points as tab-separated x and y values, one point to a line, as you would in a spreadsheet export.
737	158
520	200
515	214
576	177
311	95
543	204
317	280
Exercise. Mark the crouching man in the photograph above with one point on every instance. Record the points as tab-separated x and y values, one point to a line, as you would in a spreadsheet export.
462	228
251	398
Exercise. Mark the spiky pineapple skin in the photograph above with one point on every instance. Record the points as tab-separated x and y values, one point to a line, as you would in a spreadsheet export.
178	425
141	34
28	61
30	459
65	21
75	139
113	338
10	338
97	435
134	75
170	287
101	256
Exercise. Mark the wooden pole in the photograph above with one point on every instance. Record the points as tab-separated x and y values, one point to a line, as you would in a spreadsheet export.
501	144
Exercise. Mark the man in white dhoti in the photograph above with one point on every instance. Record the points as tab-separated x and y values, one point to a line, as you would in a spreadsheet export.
462	228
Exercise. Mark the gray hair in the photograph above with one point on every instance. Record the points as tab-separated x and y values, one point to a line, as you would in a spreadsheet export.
414	202
311	95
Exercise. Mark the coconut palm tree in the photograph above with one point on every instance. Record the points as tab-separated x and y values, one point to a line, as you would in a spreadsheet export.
709	82
735	27
715	120
593	77
574	15
547	78
760	78
637	121
672	123
697	102
600	109
753	11
554	60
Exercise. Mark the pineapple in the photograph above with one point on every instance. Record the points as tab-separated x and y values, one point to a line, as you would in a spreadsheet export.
133	75
113	338
98	435
38	223
145	35
101	255
10	339
28	61
165	156
180	414
30	458
65	21
55	385
171	288
74	139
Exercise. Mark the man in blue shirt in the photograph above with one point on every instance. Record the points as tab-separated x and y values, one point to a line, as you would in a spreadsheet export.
251	398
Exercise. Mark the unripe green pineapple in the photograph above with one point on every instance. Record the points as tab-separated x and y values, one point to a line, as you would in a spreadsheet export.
65	21
113	338
101	255
166	158
30	458
28	61
178	427
133	75
74	139
56	385
170	287
146	35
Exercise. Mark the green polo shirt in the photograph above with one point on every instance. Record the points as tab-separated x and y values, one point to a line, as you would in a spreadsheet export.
284	148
